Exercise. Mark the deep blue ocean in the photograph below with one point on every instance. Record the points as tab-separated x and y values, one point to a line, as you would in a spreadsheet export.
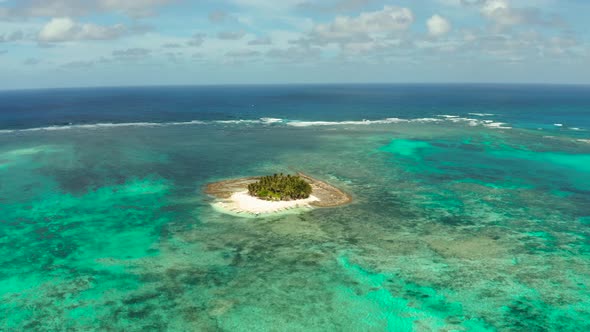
525	106
470	210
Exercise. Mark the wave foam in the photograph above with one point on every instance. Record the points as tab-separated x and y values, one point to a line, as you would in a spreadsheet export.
273	121
475	122
236	121
104	125
481	114
499	125
296	123
266	121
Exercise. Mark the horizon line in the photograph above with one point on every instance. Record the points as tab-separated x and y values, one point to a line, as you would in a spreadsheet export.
89	87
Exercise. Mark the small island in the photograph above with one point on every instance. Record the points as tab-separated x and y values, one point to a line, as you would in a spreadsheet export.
277	193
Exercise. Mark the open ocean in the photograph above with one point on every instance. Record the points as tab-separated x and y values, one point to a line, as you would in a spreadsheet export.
471	209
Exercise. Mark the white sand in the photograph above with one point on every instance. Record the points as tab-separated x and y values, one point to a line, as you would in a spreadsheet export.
242	202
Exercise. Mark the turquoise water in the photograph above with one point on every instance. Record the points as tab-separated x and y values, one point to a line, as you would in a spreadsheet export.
471	209
453	228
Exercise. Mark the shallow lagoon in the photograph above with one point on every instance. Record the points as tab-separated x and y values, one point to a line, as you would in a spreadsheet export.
453	227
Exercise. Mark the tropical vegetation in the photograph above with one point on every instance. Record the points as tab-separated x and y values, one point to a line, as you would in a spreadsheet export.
280	187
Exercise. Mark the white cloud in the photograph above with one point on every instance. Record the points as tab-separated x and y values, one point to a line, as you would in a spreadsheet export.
58	29
260	41
12	37
438	26
65	29
361	28
131	53
334	7
267	6
196	40
389	19
500	12
503	13
294	54
231	35
455	3
218	16
375	36
132	7
245	53
72	8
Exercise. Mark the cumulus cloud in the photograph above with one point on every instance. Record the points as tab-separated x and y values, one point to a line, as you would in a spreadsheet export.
231	35
516	46
242	54
500	12
260	41
12	37
217	16
74	8
196	40
360	28
172	45
438	26
135	8
336	7
507	13
389	19
78	64
294	54
503	13
132	53
65	29
267	6
502	33
557	46
175	57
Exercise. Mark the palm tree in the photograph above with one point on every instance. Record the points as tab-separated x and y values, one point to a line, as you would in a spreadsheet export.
280	187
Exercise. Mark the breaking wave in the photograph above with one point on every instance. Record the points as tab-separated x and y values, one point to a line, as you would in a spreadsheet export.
103	125
272	121
482	114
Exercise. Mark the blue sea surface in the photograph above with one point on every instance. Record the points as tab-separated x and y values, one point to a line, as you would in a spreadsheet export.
470	212
526	106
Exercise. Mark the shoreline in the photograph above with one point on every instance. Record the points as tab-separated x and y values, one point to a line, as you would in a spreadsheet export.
232	197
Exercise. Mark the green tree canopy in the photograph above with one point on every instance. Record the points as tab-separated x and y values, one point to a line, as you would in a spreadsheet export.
280	187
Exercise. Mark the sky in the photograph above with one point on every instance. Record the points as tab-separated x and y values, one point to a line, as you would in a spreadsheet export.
80	43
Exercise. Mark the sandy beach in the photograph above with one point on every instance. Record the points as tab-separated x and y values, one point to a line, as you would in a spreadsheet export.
242	203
